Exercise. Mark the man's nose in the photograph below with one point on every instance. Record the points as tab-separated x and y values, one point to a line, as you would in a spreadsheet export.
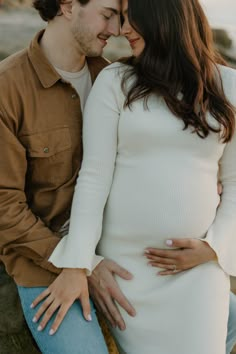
114	27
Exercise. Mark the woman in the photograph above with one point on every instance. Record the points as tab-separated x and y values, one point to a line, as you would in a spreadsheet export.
159	128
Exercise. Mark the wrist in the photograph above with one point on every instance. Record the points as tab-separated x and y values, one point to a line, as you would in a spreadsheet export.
78	271
212	256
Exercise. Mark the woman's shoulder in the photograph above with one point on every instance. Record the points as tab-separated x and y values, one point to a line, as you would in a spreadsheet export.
114	71
228	77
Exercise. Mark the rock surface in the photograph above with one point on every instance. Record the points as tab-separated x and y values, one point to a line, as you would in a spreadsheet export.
15	337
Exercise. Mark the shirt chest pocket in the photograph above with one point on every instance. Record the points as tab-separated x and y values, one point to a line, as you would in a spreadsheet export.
49	156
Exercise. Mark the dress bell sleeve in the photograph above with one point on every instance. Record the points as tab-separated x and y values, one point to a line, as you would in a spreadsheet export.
100	139
221	236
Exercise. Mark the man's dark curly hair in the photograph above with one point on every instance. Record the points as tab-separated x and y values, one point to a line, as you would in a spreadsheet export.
48	9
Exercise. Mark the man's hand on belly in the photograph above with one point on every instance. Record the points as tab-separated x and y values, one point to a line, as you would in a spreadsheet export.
104	291
190	253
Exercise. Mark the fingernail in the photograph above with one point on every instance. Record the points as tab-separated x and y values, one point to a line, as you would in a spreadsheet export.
169	242
149	264
32	306
89	318
39	328
51	332
34	319
147	251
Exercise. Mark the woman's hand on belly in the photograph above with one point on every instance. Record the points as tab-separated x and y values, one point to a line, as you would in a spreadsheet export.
189	254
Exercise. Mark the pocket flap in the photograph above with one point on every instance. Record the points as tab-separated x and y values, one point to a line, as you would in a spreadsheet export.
47	144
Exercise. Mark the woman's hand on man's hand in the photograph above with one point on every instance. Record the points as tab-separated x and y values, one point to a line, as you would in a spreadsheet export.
69	286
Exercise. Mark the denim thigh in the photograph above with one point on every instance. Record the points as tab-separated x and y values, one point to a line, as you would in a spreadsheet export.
74	336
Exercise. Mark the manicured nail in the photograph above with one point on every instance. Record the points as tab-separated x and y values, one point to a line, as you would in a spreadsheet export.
51	332
147	251
34	320
169	242
39	328
89	318
32	306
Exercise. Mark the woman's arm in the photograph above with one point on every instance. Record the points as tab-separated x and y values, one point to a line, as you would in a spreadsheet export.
76	252
101	116
183	254
221	236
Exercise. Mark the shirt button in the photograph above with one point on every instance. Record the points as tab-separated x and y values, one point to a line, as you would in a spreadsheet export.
74	96
46	150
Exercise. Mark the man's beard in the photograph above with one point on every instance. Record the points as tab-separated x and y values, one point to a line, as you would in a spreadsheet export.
87	42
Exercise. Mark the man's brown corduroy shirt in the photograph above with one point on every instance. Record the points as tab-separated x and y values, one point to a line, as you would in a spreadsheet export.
40	156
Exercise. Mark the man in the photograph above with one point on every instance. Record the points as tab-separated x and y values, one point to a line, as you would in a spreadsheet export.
45	88
40	116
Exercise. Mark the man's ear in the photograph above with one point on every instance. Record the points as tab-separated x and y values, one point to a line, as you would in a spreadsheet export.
66	8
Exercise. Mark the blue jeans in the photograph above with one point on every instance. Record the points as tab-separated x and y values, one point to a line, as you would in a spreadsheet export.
231	337
77	336
74	336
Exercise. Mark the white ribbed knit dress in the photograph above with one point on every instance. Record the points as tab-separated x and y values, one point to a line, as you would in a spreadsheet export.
156	182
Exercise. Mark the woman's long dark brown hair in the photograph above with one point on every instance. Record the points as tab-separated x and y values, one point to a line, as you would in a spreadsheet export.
179	57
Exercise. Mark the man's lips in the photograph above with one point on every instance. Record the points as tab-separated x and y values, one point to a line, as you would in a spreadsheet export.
103	40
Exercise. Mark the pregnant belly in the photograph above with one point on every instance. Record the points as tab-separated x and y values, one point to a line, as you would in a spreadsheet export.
148	208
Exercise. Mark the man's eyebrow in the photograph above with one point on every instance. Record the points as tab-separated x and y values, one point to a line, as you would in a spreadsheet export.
116	12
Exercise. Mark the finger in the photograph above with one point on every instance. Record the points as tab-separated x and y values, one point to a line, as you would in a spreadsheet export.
100	307
168	267
169	272
162	253
118	296
59	318
122	272
160	259
48	314
219	188
42	308
84	300
115	313
181	243
39	298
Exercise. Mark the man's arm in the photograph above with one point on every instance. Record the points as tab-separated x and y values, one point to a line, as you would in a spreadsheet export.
20	230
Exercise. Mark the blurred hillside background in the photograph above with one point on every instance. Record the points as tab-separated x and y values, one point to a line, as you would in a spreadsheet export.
19	22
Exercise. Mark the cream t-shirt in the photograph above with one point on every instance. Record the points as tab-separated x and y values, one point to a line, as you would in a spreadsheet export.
80	80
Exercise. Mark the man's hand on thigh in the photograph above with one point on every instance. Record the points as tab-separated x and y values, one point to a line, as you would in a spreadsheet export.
105	292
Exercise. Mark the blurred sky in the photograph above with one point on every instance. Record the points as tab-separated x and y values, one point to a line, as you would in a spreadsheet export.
221	13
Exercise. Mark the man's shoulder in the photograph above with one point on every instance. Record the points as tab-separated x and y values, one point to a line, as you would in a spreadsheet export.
13	60
12	65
